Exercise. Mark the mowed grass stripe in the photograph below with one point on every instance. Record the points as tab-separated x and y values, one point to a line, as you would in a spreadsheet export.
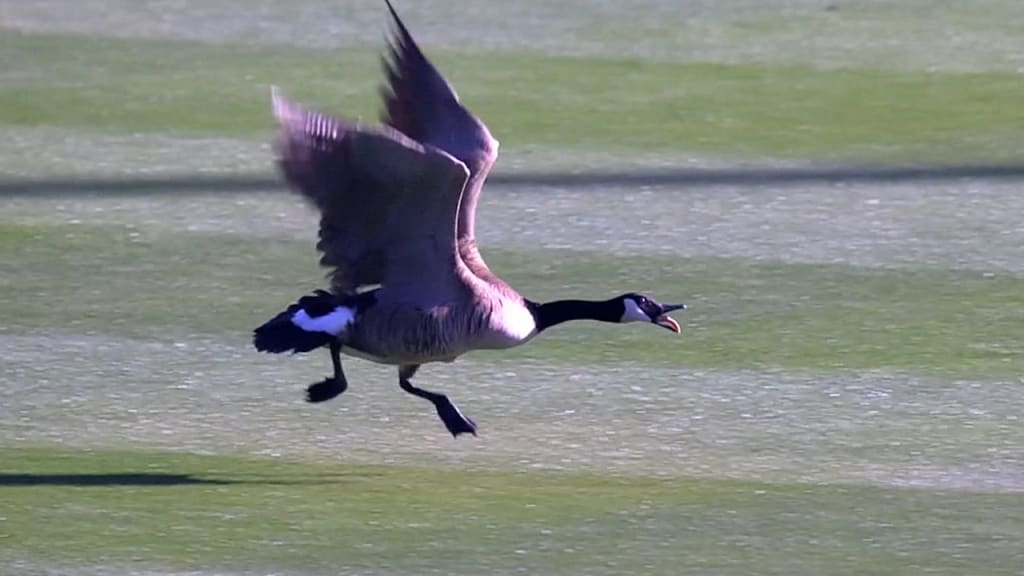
179	511
201	394
985	34
744	313
529	100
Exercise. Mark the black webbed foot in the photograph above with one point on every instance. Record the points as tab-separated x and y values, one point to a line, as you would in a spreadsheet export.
330	387
454	420
324	391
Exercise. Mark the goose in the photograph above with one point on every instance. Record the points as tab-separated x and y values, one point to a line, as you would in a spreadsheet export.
397	204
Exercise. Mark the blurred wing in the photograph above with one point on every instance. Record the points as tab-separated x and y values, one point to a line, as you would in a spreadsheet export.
421	104
388	205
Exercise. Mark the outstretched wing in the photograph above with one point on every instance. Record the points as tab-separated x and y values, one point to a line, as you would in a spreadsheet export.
388	204
421	104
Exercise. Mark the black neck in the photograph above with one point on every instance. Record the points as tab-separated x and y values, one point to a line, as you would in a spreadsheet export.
549	314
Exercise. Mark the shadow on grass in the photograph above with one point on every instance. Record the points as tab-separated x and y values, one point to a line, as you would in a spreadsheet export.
159	479
239	183
124	479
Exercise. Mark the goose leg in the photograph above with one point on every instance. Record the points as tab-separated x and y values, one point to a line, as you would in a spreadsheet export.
454	420
331	387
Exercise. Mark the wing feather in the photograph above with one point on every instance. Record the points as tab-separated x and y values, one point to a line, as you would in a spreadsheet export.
420	103
388	204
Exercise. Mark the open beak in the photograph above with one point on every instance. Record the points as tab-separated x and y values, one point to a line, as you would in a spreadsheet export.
668	322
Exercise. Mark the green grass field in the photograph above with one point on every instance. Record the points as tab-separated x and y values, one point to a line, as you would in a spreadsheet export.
845	398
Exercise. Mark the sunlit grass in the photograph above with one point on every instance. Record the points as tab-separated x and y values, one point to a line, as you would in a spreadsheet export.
127	325
224	513
528	100
743	313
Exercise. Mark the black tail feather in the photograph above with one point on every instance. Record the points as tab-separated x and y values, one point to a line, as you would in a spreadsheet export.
280	334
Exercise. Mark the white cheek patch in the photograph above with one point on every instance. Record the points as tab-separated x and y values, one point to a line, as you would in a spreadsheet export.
633	313
333	323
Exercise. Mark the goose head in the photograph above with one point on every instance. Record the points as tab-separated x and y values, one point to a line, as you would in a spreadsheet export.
640	308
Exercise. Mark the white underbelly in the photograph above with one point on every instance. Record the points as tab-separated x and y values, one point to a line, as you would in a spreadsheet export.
363	355
396	361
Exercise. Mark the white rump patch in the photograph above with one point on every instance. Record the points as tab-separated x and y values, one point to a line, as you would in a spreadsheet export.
333	323
633	313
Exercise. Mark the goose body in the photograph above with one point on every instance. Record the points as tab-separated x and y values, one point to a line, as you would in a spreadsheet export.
397	229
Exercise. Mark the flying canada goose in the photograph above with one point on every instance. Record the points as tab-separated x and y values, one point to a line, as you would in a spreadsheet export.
397	203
